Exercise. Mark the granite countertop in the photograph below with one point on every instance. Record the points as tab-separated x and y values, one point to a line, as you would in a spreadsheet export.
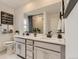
54	40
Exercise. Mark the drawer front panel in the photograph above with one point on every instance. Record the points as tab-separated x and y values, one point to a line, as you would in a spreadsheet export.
20	40
30	42
48	46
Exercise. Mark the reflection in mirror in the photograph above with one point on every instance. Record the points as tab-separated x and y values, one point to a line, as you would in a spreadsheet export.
36	23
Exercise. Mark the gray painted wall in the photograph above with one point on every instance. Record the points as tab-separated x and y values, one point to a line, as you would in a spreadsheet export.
71	24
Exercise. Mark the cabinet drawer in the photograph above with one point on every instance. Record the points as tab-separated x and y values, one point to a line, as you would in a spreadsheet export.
20	40
30	42
48	46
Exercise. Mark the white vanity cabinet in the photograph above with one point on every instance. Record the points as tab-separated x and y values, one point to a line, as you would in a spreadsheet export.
48	51
34	49
20	47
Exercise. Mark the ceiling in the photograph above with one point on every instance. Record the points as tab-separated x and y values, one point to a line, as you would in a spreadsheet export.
14	3
52	9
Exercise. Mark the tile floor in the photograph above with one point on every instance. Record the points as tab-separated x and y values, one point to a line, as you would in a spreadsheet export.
6	55
9	56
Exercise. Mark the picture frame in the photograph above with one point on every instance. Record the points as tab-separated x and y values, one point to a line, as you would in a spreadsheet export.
69	8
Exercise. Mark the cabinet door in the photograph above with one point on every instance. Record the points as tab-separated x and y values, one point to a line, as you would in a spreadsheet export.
29	52
23	50
20	49
29	55
45	54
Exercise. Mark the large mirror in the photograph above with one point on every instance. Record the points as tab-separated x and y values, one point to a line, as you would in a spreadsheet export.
44	19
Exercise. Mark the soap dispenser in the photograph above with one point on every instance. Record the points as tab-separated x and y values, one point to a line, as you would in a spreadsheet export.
49	35
60	34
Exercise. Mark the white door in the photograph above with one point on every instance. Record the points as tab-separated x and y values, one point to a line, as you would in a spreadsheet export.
45	54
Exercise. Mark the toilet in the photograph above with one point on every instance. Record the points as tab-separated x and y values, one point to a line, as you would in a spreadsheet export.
6	43
10	46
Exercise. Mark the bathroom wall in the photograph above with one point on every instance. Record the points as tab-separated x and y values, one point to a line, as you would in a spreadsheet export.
19	20
52	22
3	7
6	8
71	30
